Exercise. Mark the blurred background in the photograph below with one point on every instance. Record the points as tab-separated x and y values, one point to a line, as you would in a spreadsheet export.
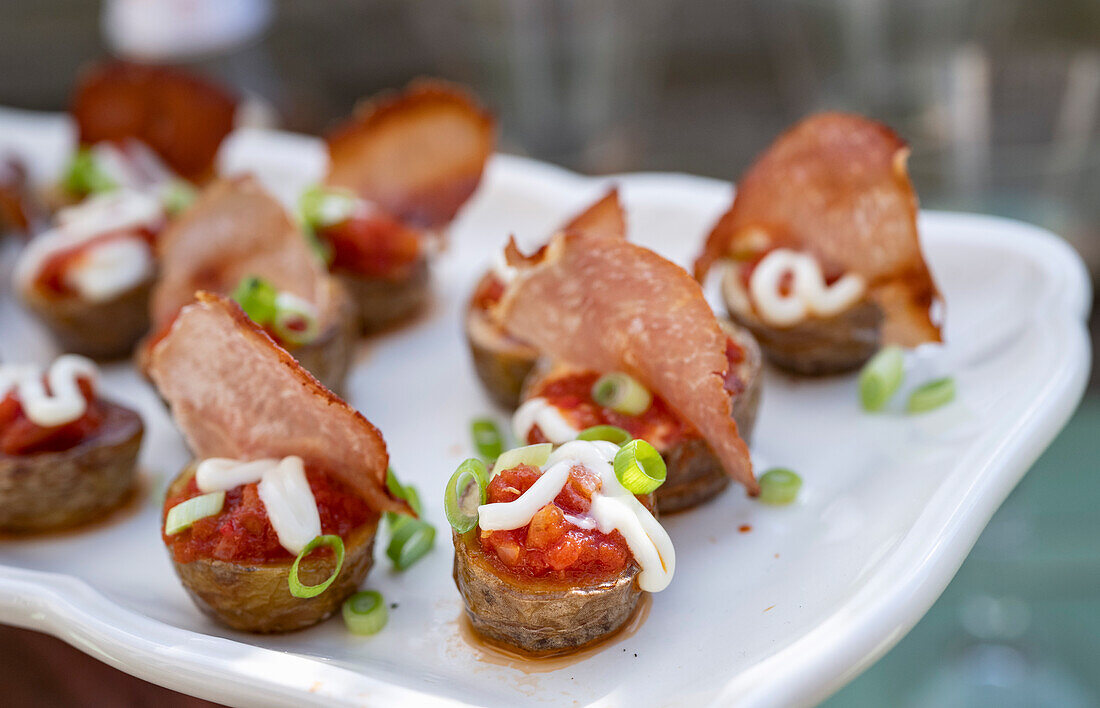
1000	100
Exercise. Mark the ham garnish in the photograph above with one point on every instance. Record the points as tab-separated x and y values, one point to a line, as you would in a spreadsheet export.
234	230
180	116
605	304
417	154
836	186
603	219
235	393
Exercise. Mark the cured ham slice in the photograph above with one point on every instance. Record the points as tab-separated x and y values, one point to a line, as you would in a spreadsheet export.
836	186
236	394
603	219
235	230
181	117
418	154
610	305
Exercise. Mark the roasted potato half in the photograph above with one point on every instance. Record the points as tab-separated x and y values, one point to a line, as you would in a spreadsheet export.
256	597
536	616
99	330
384	302
816	346
54	490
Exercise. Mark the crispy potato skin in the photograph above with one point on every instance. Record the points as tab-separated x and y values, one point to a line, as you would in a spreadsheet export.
502	363
255	597
55	490
329	356
816	346
383	303
539	617
100	330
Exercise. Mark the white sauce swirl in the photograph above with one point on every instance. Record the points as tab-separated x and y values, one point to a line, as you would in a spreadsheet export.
809	295
613	508
283	489
538	411
63	403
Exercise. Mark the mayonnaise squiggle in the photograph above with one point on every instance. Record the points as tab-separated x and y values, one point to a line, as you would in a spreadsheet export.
283	489
64	402
538	411
613	508
808	294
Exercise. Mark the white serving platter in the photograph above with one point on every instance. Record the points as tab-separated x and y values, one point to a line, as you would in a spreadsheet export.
783	614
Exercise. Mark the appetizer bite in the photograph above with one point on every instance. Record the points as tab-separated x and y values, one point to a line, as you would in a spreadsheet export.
825	264
18	208
238	240
399	171
272	525
554	552
67	455
144	132
632	350
501	361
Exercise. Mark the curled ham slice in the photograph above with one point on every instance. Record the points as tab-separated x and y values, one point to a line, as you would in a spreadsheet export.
603	219
236	394
610	305
836	186
181	117
234	230
418	154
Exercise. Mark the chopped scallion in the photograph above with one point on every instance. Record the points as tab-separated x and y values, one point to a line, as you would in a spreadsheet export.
297	588
365	612
182	515
932	395
487	439
779	486
621	393
321	207
610	433
464	494
256	297
881	377
639	467
295	320
84	175
411	539
534	455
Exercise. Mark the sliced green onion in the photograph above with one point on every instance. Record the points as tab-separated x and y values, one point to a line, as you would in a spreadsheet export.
297	589
322	207
295	320
256	297
622	394
182	515
881	377
410	541
779	486
177	196
639	467
487	438
365	612
610	433
534	455
399	491
84	176
464	494
932	395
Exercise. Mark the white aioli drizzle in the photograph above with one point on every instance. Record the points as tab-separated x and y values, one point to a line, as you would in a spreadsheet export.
64	403
283	489
613	508
808	294
539	411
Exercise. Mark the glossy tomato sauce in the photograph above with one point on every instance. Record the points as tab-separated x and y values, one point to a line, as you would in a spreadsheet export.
242	533
19	435
550	546
51	275
373	244
659	425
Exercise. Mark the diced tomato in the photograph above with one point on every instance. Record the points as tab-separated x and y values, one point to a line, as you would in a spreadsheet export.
373	244
19	435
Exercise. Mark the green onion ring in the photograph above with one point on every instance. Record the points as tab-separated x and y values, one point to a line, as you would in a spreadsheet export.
466	491
610	433
365	612
534	455
639	467
297	589
182	515
295	320
320	207
410	541
881	377
487	438
932	395
84	176
256	297
622	394
779	486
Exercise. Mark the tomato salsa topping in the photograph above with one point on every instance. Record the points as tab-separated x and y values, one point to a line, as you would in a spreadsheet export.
242	532
19	435
372	244
51	274
551	547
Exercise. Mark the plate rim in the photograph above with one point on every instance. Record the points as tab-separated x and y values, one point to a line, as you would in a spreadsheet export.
807	670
